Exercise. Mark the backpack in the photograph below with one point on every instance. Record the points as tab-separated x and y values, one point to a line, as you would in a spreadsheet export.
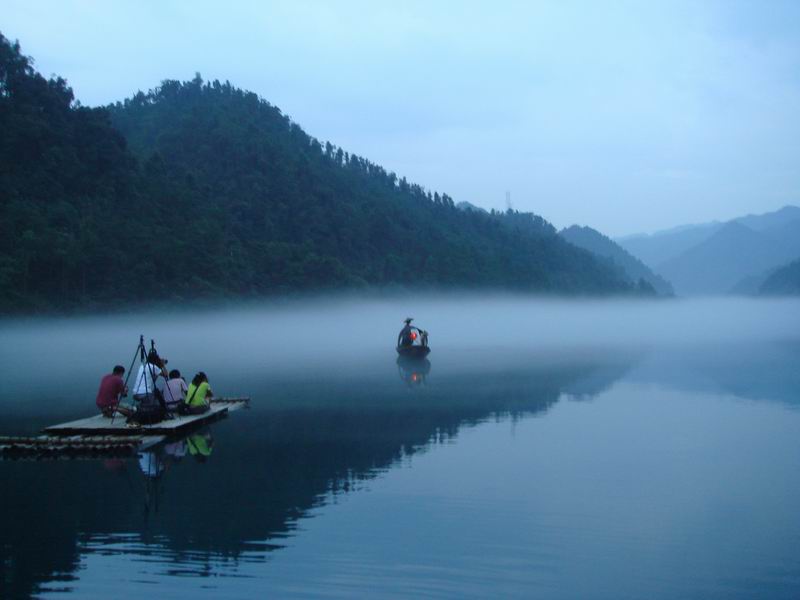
150	410
147	414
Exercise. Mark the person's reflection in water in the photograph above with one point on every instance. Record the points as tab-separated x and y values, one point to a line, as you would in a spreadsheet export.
413	371
152	465
175	451
156	462
200	445
114	465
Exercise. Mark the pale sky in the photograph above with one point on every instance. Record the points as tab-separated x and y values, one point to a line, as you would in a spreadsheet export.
626	116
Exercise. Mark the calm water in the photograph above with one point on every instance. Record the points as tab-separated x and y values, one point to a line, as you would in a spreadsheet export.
558	450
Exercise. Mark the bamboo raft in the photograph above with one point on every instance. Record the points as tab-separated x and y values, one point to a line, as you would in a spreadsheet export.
79	446
100	425
102	436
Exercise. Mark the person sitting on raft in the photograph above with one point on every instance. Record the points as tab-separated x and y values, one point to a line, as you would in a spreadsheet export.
408	334
198	395
112	387
145	390
174	390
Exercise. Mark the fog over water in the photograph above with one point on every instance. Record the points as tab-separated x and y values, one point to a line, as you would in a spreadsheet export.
337	338
312	334
574	448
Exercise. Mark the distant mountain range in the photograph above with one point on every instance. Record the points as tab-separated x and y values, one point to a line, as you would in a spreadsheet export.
657	248
633	268
736	256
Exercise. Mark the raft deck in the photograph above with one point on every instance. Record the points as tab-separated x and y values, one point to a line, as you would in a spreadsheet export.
100	425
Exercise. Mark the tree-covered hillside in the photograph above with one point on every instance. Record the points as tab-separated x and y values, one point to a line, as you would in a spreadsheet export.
284	192
203	190
70	193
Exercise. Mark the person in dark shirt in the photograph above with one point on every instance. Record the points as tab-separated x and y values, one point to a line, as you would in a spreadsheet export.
112	387
408	334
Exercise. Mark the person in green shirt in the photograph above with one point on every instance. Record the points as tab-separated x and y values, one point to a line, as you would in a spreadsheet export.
198	395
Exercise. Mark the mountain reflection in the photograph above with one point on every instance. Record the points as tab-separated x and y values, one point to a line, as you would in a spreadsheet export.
206	502
763	371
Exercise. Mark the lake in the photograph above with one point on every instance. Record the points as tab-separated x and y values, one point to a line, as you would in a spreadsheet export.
557	449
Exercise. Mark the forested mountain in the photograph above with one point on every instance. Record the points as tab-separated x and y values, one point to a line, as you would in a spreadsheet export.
286	199
70	193
204	190
634	269
783	282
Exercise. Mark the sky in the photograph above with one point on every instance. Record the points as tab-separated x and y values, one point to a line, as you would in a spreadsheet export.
625	116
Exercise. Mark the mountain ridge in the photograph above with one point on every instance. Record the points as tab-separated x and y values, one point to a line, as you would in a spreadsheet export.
603	246
718	263
199	190
784	281
708	259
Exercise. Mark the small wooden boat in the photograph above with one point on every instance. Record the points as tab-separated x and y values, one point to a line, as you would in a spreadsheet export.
413	351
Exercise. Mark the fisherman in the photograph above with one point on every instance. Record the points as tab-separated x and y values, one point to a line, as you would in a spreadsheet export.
112	387
198	395
409	334
151	405
174	390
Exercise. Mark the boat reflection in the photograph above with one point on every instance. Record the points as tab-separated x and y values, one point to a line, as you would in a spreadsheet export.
413	371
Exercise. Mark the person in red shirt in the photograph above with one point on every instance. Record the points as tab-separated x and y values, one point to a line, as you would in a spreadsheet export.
112	387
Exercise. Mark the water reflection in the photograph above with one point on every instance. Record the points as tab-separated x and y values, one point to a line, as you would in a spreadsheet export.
413	371
205	503
326	421
157	461
755	372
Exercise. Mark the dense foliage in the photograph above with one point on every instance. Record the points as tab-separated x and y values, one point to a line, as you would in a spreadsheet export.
204	190
67	184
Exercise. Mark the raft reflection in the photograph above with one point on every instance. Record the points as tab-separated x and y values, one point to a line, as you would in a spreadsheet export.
315	439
